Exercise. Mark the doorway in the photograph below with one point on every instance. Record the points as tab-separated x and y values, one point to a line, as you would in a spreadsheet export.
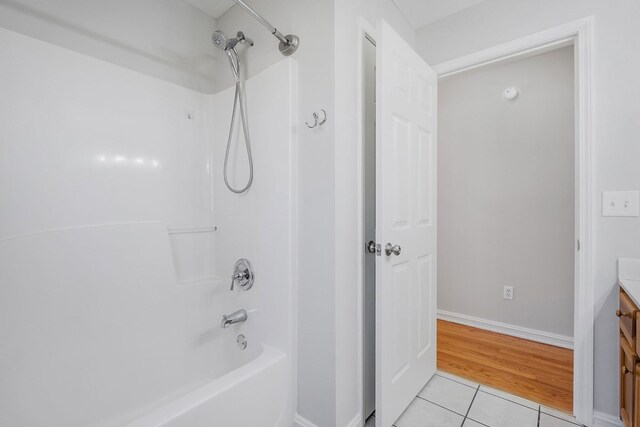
579	34
506	236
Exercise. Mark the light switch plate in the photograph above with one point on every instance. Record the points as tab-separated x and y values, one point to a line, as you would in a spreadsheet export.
620	203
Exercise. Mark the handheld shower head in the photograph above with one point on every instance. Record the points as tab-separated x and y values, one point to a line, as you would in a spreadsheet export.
228	45
222	42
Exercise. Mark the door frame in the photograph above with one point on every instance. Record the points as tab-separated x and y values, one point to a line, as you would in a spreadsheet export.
578	33
365	31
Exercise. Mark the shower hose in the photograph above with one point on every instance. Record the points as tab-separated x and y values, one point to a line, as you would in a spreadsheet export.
239	99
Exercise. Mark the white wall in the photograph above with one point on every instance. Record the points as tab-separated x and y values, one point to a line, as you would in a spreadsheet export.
506	193
168	39
86	133
349	17
313	22
616	151
259	225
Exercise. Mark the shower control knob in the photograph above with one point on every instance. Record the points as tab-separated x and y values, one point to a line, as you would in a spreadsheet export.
390	249
243	275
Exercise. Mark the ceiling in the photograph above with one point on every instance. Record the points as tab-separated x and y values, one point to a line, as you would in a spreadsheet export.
423	12
418	12
213	8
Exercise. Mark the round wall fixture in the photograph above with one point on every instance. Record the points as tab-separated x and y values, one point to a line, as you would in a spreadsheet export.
511	94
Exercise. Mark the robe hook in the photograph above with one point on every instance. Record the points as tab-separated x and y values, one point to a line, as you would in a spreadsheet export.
317	120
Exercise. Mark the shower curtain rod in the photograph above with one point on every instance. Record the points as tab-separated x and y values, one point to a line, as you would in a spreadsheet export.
288	43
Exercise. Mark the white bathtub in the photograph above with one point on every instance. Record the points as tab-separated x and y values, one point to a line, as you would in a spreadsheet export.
147	351
253	395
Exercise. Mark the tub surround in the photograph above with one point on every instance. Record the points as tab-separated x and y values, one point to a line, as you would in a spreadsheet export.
112	276
629	277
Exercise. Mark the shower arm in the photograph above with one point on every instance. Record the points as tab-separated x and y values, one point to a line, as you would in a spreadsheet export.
288	44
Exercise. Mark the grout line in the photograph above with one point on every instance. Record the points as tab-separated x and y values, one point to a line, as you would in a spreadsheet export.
508	400
539	415
484	390
561	419
443	407
456	381
466	415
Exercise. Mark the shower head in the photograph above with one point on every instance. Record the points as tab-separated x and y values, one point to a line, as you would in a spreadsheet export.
225	44
222	42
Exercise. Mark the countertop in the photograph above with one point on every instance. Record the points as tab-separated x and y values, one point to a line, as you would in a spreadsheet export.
629	277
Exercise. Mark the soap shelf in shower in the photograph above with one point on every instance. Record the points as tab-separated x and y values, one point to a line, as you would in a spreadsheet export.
195	230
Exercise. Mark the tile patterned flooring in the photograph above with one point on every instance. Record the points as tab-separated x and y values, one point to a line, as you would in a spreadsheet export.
451	401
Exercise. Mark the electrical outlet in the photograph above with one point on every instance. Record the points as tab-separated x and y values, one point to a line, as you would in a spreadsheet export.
508	292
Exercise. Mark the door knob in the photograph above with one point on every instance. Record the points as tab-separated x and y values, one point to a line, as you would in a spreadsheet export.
625	370
392	249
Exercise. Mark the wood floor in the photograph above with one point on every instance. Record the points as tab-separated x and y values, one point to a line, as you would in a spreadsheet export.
535	371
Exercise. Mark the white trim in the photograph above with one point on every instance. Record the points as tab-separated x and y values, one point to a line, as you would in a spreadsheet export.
535	43
507	329
294	234
579	32
356	421
601	419
364	29
584	302
300	421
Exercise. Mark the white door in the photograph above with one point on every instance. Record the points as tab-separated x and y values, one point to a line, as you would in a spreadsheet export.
406	219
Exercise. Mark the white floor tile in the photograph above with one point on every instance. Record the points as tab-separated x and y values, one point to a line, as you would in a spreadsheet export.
559	414
426	414
457	379
497	412
549	421
470	423
448	393
509	396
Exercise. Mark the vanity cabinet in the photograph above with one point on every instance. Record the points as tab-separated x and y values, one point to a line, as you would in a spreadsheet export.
629	324
628	358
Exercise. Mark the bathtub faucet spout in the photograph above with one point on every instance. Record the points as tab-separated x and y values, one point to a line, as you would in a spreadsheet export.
235	317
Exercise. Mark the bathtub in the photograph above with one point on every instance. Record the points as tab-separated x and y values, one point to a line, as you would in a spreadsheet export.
253	395
147	351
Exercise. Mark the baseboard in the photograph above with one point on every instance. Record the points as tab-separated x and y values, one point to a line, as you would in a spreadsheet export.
356	421
300	421
506	329
601	419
